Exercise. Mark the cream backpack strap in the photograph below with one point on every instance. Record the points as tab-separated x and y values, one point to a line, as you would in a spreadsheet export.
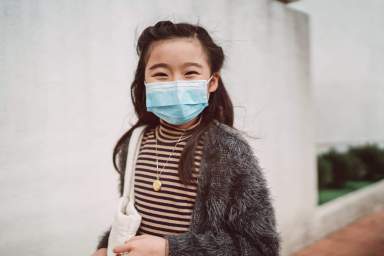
127	220
133	152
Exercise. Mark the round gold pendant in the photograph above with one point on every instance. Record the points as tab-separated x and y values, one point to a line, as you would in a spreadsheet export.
156	185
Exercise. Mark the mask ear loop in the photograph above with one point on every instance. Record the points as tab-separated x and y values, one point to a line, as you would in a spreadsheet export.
208	94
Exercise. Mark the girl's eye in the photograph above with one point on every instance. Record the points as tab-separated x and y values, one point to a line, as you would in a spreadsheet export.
192	72
159	74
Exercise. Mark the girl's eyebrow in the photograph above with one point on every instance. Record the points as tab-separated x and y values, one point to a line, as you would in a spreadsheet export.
192	64
158	65
164	65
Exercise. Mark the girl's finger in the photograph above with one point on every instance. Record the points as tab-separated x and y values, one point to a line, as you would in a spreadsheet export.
122	248
135	238
122	254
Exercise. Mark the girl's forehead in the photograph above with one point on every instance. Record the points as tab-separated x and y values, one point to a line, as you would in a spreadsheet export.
177	51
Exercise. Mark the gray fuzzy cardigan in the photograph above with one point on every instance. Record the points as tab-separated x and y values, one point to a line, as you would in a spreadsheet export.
233	212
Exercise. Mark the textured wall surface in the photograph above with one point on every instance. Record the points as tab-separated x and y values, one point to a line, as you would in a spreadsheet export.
347	62
347	84
65	73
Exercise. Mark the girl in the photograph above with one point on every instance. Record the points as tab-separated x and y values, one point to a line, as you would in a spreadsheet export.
197	184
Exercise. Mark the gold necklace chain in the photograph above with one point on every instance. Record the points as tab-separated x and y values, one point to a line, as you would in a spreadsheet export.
157	183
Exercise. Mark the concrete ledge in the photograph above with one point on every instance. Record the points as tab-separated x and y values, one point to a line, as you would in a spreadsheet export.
346	209
332	216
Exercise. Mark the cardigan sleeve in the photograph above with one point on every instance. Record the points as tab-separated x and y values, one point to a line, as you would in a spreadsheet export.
248	226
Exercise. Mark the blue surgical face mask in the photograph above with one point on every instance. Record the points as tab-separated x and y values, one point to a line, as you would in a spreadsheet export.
177	102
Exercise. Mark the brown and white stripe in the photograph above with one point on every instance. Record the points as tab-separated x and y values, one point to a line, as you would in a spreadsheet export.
169	210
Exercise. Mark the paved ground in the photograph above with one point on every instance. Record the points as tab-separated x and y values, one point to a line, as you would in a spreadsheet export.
364	237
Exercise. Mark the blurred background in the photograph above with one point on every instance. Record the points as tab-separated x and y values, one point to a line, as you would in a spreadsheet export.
306	78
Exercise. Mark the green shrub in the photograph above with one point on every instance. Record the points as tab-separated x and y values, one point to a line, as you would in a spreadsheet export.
372	157
341	173
324	171
339	166
356	168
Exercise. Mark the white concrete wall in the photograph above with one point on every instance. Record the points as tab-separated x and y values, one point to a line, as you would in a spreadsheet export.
347	66
65	72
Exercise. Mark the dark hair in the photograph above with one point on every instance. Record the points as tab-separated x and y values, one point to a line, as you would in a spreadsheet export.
219	105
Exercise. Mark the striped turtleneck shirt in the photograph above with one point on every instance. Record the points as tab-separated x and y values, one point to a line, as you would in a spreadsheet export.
167	211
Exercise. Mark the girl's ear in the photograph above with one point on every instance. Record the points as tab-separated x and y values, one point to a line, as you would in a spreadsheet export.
214	82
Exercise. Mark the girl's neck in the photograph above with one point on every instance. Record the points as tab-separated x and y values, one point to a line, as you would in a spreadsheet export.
186	125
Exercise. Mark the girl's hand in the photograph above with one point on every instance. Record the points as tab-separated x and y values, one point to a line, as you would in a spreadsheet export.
143	245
